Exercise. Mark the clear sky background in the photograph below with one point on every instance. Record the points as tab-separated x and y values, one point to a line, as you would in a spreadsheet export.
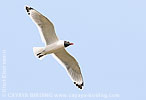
110	46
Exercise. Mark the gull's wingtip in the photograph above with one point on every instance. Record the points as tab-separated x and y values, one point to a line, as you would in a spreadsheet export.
80	86
28	8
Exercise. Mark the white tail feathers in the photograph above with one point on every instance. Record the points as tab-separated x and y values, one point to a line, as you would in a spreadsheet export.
38	52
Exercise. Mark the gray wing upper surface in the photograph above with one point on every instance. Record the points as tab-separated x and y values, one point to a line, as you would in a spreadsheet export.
71	65
45	26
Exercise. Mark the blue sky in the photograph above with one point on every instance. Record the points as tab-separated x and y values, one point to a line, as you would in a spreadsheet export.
110	46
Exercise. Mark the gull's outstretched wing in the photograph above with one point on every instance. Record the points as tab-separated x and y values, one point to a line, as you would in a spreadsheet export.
71	65
45	26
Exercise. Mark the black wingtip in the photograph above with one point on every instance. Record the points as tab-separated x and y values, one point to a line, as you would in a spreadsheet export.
28	9
80	86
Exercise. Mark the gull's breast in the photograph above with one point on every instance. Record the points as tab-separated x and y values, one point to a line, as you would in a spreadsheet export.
54	47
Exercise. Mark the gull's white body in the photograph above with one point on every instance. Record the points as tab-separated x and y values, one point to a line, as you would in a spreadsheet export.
54	46
48	49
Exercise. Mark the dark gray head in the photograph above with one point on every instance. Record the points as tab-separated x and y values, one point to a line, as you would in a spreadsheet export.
67	43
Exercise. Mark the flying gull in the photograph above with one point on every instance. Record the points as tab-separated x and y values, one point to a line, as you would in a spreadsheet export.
55	46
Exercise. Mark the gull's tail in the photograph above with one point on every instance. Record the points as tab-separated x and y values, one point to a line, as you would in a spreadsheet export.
38	52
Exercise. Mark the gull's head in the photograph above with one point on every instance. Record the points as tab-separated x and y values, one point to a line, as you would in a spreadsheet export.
67	43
